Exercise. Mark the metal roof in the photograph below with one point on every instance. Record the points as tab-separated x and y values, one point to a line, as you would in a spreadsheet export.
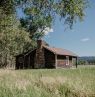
60	51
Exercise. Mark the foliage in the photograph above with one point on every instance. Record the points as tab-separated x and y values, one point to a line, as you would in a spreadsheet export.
15	34
82	62
87	60
7	6
13	40
40	14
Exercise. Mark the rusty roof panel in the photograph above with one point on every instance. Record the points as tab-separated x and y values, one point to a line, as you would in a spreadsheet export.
60	51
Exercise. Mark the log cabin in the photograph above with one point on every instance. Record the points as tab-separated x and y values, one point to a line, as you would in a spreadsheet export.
45	56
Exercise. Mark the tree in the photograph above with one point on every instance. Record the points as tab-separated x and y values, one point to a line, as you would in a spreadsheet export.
40	14
13	40
15	34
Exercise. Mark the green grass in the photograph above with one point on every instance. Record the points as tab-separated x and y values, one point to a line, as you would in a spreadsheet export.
48	82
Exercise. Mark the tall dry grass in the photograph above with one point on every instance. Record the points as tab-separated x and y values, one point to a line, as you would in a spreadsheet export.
48	83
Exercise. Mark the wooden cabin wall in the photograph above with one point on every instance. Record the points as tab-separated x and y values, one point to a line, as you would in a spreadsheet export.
49	59
39	58
26	62
29	60
61	61
32	59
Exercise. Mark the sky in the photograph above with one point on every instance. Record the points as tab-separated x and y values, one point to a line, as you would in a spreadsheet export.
81	39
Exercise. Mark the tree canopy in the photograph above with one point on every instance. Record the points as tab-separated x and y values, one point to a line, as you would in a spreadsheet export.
40	14
19	35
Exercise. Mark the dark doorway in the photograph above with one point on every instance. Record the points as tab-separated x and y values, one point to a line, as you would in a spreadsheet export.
32	59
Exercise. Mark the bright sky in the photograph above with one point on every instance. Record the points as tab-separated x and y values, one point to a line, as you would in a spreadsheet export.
81	39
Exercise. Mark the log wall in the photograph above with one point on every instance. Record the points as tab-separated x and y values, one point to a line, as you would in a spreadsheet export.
49	59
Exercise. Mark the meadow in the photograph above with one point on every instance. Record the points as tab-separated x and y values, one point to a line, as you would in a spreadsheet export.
78	82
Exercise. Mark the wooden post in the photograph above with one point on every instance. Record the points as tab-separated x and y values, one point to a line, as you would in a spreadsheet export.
29	62
67	60
55	61
76	62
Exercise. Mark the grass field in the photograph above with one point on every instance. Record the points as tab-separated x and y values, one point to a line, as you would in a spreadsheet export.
48	82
